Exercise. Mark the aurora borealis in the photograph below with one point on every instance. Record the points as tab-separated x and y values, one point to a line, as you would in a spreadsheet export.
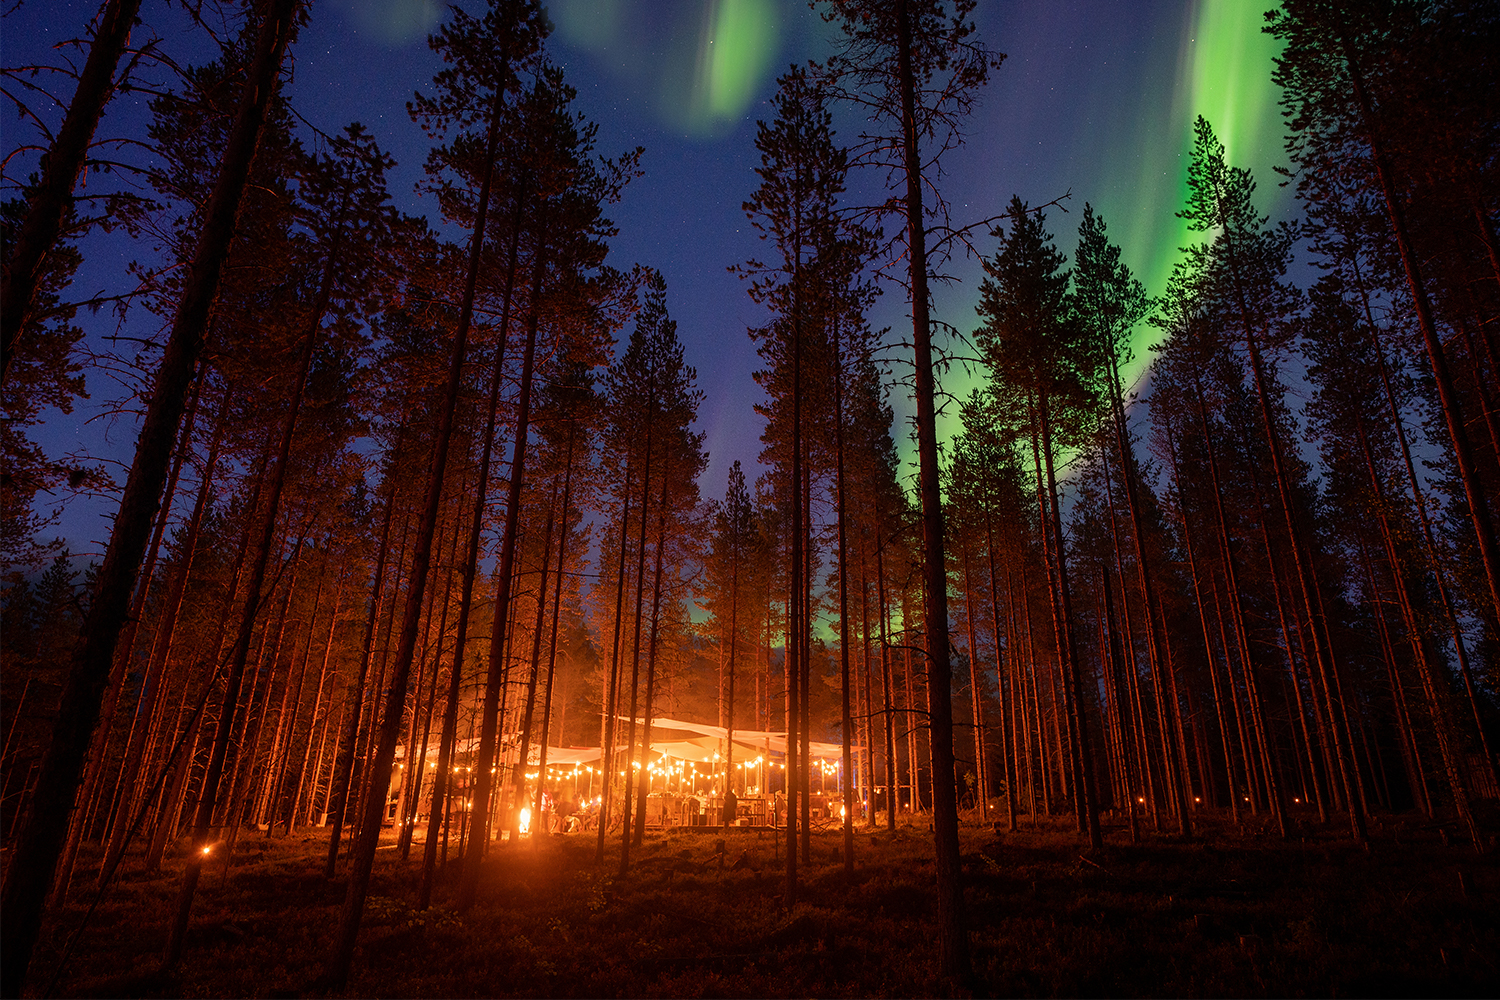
1096	100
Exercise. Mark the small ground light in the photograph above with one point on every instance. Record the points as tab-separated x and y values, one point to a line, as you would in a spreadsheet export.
208	850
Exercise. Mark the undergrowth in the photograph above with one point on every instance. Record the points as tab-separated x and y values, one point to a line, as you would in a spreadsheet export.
1227	914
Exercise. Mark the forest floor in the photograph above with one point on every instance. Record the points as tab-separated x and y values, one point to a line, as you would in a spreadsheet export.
1229	913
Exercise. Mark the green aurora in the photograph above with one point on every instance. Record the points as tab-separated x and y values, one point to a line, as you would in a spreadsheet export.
705	65
1224	74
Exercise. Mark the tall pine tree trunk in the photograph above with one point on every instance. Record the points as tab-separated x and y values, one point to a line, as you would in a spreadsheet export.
336	973
469	879
52	199
608	709
37	845
441	783
343	766
952	927
1475	496
557	593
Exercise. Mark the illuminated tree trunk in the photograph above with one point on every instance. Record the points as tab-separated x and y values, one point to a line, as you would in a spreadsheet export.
1116	661
1156	638
443	779
562	556
161	650
1463	452
533	675
1410	757
643	779
416	780
846	720
286	721
1442	724
91	790
980	782
1035	755
302	780
1434	557
1201	600
1007	704
336	973
343	767
487	756
608	709
1088	800
247	755
1269	767
1136	740
635	656
885	686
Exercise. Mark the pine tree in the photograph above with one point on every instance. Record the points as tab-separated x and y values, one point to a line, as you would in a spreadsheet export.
1392	96
482	55
917	69
1238	274
38	843
28	247
1038	351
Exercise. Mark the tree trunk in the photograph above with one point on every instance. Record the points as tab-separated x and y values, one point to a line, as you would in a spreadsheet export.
980	781
1007	705
337	972
469	880
161	649
1463	451
302	775
626	800
449	736
562	555
885	685
952	927
91	791
343	768
40	839
1442	725
1116	660
643	780
53	198
608	709
1269	766
415	779
1088	798
1306	578
1410	756
1156	637
533	675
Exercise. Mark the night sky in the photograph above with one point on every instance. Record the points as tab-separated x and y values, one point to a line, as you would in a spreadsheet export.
1094	99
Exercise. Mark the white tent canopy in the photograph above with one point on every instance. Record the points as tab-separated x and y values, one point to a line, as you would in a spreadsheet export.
699	748
752	740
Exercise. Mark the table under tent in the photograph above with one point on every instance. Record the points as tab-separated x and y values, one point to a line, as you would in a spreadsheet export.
689	767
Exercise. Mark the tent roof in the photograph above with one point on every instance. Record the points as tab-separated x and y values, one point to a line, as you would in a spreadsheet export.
699	747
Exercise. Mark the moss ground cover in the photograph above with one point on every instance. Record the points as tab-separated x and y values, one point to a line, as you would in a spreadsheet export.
1230	913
